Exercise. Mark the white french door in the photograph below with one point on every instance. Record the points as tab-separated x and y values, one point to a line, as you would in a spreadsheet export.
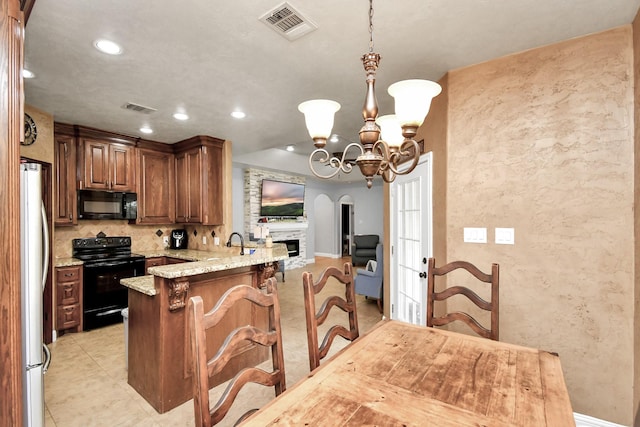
411	238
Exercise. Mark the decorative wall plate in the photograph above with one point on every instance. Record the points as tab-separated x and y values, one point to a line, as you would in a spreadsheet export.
30	130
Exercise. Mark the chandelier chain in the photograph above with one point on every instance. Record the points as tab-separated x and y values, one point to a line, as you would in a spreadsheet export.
370	26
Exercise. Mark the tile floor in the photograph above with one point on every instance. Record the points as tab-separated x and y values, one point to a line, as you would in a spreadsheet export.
86	384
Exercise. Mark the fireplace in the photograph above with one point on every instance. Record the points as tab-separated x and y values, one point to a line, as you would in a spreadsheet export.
293	246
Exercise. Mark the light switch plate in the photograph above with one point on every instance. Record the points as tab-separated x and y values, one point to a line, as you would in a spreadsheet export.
475	235
505	236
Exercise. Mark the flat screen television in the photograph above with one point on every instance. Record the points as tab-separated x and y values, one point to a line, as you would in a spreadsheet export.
281	199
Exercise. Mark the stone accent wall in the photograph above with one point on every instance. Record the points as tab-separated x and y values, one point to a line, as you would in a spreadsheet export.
252	194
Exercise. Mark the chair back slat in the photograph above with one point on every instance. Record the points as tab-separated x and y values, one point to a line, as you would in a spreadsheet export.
203	368
492	306
315	319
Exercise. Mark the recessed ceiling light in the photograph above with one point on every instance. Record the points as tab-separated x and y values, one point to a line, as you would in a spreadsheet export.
27	74
290	148
238	115
107	46
180	116
146	129
334	138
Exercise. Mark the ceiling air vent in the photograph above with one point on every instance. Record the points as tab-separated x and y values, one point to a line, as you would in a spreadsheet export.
139	108
288	22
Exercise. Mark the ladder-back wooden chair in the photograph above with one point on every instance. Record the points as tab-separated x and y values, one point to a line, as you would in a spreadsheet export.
432	296
315	319
203	368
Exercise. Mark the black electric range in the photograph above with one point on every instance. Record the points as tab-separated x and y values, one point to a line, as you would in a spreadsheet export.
106	261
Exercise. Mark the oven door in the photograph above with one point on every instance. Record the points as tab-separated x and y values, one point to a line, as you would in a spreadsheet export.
103	295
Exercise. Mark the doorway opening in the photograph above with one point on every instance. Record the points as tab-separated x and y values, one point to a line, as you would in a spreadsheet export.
346	228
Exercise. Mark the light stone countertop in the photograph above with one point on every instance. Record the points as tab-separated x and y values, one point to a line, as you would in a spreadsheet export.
67	262
142	284
203	262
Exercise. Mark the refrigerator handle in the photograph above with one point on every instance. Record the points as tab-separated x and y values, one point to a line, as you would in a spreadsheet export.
47	358
45	238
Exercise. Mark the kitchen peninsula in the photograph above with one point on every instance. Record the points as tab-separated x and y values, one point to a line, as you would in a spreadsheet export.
158	358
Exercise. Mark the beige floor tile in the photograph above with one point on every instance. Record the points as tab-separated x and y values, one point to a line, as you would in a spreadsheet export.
87	382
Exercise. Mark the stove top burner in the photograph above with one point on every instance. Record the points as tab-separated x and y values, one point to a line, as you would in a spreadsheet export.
102	249
101	242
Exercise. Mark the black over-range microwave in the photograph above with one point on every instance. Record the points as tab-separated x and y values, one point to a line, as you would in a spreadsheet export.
95	204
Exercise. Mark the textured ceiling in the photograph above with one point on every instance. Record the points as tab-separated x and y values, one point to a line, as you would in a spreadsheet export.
209	57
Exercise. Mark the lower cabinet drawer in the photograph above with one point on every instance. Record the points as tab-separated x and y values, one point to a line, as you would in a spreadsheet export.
67	274
68	293
68	316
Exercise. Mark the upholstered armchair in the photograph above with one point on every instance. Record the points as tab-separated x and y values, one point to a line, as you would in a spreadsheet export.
364	248
368	281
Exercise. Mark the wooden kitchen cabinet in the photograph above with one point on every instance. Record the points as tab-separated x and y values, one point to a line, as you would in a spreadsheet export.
69	299
156	186
107	166
198	172
189	186
65	212
153	262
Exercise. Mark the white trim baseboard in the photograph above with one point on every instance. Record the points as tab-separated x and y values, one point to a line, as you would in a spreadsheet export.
587	421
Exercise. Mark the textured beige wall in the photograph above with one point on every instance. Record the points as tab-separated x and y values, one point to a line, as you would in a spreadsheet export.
542	141
42	148
434	133
636	67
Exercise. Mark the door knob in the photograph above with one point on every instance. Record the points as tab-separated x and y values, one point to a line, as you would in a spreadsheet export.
423	275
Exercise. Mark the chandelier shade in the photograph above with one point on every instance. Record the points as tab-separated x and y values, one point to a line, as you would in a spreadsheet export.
385	141
413	100
318	116
390	130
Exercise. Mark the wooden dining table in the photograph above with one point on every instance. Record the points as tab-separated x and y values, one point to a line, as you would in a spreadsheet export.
405	375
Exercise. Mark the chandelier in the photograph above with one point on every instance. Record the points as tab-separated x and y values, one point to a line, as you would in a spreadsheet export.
375	155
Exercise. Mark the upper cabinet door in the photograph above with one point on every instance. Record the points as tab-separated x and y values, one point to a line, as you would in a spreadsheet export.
122	164
108	166
156	187
189	186
65	181
199	169
194	178
96	164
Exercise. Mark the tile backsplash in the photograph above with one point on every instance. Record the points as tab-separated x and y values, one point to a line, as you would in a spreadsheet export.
143	237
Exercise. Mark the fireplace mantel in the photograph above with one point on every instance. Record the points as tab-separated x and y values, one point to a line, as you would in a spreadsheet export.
284	225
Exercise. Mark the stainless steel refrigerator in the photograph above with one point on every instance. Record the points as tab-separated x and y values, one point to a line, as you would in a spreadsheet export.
34	246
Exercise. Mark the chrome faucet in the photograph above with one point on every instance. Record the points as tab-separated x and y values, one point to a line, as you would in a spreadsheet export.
241	242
